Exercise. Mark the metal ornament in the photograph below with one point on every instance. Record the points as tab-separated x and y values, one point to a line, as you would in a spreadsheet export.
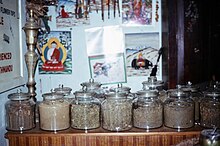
31	57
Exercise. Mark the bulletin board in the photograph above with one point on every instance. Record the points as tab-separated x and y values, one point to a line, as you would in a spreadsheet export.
11	66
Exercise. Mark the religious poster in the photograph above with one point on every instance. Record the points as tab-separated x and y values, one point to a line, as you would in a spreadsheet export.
56	53
137	12
105	49
141	53
72	13
11	62
108	69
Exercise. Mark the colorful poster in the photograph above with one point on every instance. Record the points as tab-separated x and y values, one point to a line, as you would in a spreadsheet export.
137	12
141	53
108	69
56	53
72	13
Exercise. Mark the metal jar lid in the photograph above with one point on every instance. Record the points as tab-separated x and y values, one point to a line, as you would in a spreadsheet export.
63	90
152	82
178	92
120	88
91	84
147	93
52	96
211	134
18	96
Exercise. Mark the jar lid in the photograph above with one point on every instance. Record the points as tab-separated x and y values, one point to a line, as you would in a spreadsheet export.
52	96
147	93
178	92
19	96
116	95
153	82
63	90
91	84
120	88
211	134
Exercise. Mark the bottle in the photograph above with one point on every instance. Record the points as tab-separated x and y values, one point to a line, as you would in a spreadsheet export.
85	111
147	110
179	109
20	112
54	112
117	112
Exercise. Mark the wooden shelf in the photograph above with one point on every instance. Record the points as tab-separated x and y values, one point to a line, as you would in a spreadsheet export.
99	137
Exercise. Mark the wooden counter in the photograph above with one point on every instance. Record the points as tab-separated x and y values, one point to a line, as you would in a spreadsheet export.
135	137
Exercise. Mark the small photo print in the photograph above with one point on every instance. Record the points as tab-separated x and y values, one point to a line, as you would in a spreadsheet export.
108	69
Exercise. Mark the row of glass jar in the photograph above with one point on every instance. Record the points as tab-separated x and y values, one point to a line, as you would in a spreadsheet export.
117	112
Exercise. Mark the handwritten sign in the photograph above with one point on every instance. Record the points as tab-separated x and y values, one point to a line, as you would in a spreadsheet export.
10	51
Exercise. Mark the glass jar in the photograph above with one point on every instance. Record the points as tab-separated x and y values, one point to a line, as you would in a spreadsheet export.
20	112
210	109
147	110
85	111
95	88
66	91
54	112
179	109
153	84
117	112
196	95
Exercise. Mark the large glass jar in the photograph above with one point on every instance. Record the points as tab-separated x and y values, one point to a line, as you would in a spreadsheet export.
153	84
210	109
85	111
147	110
117	112
54	112
196	95
66	91
95	88
20	112
178	109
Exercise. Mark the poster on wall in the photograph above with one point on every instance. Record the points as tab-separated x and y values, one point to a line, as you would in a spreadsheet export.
72	13
108	69
11	65
105	49
141	53
137	12
56	53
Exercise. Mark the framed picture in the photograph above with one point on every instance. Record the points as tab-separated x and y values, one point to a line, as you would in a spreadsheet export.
108	69
11	49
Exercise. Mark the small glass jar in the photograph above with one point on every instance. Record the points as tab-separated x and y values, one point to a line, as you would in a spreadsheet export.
117	112
20	112
54	112
179	110
196	95
85	111
66	91
95	88
148	110
210	109
153	84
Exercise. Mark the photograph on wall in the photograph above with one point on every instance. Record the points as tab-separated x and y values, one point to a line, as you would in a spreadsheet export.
141	53
137	12
108	69
56	53
72	13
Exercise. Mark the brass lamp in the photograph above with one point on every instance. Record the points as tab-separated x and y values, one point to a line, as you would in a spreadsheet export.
31	30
